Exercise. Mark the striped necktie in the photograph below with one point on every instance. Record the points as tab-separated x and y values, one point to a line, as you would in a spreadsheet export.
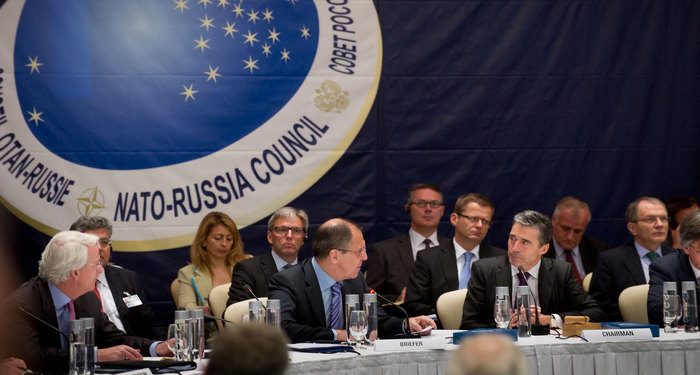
335	305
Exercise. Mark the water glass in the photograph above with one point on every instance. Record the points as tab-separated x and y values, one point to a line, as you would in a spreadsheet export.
272	314
179	341
358	325
501	313
255	312
671	311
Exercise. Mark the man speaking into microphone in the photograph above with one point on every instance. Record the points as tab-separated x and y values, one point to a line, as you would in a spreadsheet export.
551	282
312	295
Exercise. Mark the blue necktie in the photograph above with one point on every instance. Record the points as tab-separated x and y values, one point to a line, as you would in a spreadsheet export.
466	270
335	305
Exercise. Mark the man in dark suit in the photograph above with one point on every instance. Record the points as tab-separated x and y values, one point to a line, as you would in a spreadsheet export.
678	266
311	295
447	267
118	289
551	281
391	261
570	243
36	317
286	231
628	265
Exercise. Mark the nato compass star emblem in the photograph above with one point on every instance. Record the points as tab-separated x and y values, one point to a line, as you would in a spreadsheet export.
91	202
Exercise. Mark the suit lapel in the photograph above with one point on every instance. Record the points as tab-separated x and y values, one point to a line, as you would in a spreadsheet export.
634	265
269	268
503	276
49	310
313	294
405	251
545	283
115	286
449	265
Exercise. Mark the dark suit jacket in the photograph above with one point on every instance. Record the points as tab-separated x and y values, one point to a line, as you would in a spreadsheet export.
673	267
435	273
139	320
588	248
255	272
390	264
40	345
617	269
559	292
302	313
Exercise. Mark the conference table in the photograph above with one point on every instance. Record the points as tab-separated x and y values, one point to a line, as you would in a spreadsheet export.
670	353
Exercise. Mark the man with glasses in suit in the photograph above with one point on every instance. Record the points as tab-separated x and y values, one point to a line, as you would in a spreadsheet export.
447	267
286	232
678	266
391	261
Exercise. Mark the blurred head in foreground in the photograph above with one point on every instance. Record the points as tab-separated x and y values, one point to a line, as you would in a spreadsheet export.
249	349
488	354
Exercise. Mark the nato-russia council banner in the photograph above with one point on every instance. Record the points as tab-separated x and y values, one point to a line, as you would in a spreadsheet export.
152	113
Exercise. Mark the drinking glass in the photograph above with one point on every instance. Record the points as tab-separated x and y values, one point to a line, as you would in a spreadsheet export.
671	311
178	341
501	313
358	325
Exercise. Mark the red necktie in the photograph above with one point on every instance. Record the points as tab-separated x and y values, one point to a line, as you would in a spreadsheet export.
570	259
71	310
99	297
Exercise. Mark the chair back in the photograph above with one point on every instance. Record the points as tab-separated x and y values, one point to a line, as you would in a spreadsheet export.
586	283
237	311
449	308
217	301
633	304
174	289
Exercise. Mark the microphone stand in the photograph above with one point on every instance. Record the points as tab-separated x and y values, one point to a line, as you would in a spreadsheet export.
404	335
536	329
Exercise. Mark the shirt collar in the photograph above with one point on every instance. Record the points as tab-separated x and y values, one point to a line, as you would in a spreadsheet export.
417	239
534	271
560	250
642	251
459	250
324	280
279	262
59	299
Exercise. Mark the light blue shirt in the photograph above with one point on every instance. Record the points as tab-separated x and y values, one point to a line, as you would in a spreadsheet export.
325	282
642	252
60	303
279	262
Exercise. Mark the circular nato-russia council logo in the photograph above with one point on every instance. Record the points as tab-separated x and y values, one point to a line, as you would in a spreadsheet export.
153	113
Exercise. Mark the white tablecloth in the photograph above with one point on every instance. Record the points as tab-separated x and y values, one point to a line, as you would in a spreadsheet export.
671	354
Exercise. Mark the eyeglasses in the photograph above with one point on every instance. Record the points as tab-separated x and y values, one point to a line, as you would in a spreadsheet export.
104	242
422	204
282	230
652	219
475	219
359	252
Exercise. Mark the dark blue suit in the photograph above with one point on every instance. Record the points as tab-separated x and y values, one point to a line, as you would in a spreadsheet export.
255	272
673	267
302	313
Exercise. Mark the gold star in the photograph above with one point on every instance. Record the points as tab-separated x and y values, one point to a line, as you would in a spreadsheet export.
274	35
285	55
223	3
267	15
202	43
89	201
212	73
36	116
207	22
34	64
189	92
230	29
238	10
253	16
305	32
181	5
250	38
204	2
251	64
266	49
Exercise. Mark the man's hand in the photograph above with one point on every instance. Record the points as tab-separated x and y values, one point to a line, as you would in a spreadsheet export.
420	322
13	366
118	353
341	335
401	296
162	349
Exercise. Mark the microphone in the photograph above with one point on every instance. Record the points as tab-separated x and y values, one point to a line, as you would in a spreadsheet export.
212	317
536	329
250	291
408	334
43	322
